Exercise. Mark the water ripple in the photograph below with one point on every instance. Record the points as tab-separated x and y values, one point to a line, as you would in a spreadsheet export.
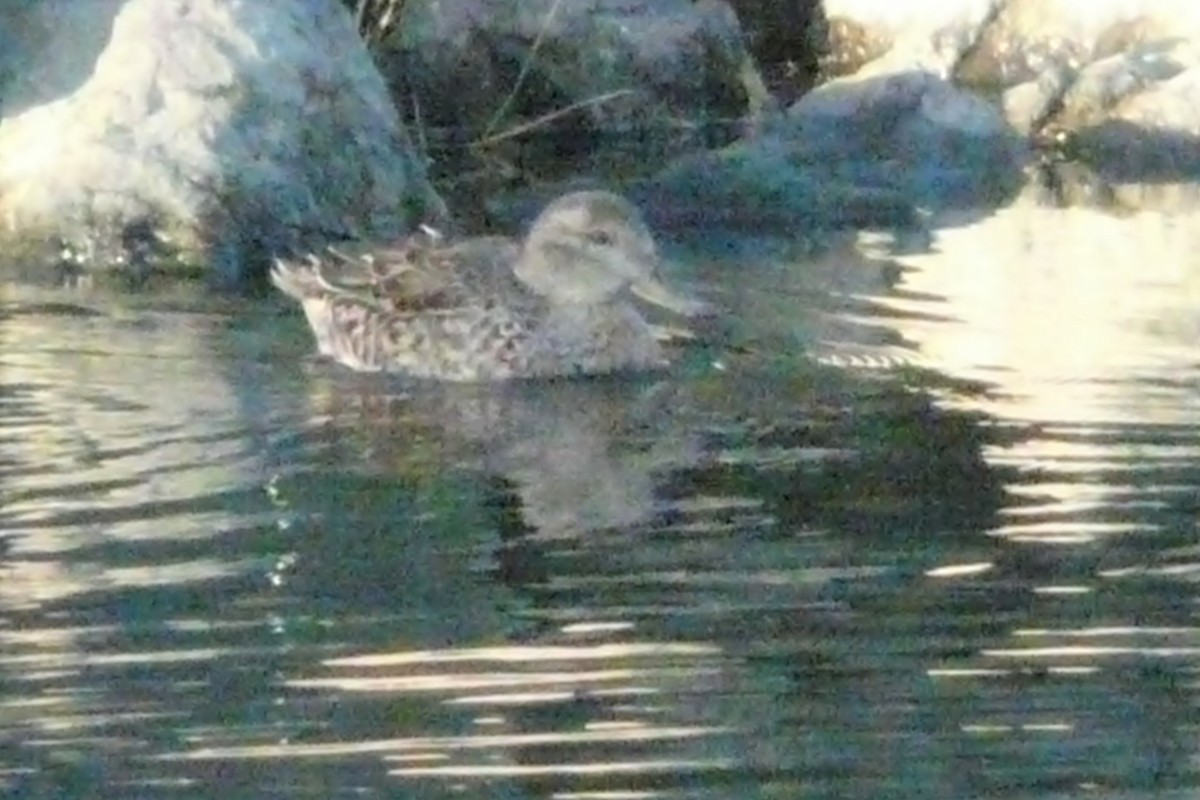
922	527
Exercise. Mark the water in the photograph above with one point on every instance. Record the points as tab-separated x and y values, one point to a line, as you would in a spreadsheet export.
928	530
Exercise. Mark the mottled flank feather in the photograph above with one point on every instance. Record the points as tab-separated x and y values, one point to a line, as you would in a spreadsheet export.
490	308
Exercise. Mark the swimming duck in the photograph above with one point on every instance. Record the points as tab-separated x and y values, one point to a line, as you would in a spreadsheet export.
491	308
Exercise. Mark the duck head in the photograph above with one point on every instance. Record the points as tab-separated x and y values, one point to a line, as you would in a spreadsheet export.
586	247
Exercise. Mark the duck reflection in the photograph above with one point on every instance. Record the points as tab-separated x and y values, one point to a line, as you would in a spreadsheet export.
656	557
580	455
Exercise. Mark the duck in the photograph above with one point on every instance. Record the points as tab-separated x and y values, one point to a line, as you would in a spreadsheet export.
560	302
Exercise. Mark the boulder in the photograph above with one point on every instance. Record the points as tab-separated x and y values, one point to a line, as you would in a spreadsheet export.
478	68
938	143
205	133
1136	114
772	186
856	152
1114	81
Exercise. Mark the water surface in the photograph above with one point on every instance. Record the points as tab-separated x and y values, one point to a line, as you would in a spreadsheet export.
924	527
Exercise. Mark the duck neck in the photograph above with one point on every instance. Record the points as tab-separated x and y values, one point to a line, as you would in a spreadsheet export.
530	267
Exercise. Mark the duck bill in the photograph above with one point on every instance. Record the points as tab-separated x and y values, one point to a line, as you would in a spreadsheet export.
654	291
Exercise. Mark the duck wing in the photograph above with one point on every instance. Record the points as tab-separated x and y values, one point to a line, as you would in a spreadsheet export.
417	276
448	311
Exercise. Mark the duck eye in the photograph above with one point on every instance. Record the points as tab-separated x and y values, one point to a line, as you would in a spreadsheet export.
600	237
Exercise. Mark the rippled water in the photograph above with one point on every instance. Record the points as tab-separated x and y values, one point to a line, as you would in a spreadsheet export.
926	528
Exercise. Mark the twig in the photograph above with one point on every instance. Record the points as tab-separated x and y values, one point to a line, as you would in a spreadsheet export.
419	124
360	17
376	18
525	68
549	117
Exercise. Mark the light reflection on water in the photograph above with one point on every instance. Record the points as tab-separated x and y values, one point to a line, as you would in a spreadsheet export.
226	569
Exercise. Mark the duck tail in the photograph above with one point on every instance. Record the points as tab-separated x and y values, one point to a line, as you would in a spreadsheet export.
300	279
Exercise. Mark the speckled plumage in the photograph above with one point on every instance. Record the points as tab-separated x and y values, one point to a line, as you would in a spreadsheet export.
491	308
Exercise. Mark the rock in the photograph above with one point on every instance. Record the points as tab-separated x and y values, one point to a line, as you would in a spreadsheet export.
1105	85
769	186
788	41
208	133
1136	112
1109	80
910	36
481	67
919	133
1154	133
853	153
1026	38
1030	105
